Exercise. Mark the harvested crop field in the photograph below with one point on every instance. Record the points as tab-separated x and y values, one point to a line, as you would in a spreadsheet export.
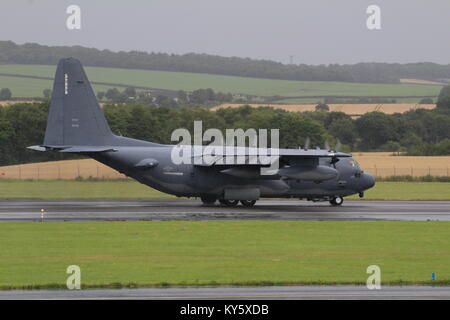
59	170
351	109
380	164
384	164
10	102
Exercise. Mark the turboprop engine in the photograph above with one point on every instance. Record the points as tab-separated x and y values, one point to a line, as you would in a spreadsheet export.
307	173
310	173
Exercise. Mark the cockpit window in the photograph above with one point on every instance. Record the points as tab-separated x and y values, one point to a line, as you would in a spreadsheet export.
353	162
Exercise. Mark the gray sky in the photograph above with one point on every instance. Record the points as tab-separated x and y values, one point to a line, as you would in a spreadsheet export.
314	32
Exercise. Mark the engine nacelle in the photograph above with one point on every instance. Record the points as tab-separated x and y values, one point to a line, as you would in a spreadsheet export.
309	173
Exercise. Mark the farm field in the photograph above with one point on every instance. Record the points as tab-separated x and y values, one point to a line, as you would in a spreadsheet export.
161	253
421	81
191	81
380	164
351	109
315	101
31	88
384	164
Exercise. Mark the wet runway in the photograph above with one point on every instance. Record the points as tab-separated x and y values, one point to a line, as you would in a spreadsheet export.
244	293
18	210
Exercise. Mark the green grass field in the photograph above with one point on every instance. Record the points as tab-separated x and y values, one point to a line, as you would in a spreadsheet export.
32	88
134	190
151	253
191	81
119	189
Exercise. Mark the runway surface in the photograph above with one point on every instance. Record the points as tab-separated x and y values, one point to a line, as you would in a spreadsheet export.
247	293
15	210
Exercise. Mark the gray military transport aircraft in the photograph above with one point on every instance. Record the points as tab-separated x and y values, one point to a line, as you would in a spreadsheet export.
77	125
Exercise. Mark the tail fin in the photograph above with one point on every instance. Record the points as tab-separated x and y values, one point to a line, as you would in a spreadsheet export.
75	117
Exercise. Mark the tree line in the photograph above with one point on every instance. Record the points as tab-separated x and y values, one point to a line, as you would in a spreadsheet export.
204	97
417	132
32	53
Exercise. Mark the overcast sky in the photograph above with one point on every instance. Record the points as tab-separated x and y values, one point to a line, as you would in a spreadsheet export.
313	32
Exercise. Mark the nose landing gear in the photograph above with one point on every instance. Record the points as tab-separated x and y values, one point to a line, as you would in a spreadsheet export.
337	201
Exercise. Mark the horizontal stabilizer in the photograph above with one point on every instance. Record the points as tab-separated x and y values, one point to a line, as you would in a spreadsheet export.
37	148
84	149
72	149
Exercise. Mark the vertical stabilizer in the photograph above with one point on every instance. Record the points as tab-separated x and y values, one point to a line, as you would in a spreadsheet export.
75	117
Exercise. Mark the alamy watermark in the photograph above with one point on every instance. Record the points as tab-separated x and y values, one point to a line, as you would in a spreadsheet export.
373	21
374	280
74	280
73	21
231	150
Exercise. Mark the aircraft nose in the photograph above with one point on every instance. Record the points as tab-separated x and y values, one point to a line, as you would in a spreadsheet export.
368	181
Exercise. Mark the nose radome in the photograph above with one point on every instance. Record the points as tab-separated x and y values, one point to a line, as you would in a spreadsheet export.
369	181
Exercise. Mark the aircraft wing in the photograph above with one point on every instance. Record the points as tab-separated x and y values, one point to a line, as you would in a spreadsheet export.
249	156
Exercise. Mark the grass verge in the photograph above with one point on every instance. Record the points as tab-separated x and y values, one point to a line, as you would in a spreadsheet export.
167	253
127	189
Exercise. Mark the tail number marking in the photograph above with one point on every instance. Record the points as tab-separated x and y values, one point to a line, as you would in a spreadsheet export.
66	84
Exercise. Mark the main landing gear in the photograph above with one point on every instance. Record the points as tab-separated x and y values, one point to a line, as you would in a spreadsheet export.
248	203
229	203
337	201
233	203
210	200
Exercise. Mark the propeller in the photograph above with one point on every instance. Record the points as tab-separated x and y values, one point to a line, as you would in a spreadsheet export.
307	143
337	147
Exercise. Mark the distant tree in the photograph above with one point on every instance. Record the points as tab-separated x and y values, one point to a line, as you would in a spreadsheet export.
211	96
116	96
330	117
47	93
441	148
182	96
199	96
112	94
5	94
375	129
130	92
438	127
322	107
145	97
444	98
221	97
426	101
411	140
100	95
391	146
343	129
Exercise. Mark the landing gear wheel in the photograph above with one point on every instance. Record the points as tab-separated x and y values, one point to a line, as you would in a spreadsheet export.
248	203
337	201
208	200
229	203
